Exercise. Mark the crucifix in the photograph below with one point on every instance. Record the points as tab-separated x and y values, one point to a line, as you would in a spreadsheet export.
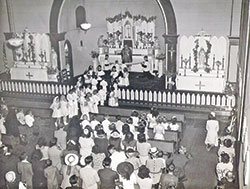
199	85
172	51
41	55
45	56
29	75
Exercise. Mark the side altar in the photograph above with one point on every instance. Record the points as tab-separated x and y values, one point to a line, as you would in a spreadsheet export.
34	59
202	63
138	34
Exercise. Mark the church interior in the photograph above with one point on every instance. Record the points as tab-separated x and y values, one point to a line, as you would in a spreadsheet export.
171	76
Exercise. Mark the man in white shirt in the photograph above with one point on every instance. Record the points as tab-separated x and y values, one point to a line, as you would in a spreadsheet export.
88	175
116	157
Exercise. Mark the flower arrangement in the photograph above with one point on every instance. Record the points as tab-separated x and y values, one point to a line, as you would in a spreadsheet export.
195	53
94	54
51	71
160	56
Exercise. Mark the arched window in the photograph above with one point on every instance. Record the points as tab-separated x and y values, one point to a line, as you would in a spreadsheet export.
80	16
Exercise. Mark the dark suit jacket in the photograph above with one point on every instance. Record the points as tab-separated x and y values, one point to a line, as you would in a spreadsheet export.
25	169
107	177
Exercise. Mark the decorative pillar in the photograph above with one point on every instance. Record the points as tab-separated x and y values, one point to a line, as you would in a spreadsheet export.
231	73
54	39
171	57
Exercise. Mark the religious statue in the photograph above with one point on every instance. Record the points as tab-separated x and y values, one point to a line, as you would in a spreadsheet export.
53	59
202	58
100	41
26	41
126	54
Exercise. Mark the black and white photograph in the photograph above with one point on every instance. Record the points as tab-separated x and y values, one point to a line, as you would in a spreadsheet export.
124	94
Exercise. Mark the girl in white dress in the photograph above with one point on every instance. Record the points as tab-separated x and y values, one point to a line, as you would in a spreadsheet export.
113	100
64	109
96	100
100	73
102	95
2	127
75	103
151	117
104	85
114	74
70	104
126	77
94	83
159	130
84	105
55	106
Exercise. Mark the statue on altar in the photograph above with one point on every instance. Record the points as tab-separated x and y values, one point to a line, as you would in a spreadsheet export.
53	59
126	54
202	59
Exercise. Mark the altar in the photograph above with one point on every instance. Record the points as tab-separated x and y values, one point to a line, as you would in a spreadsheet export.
34	59
202	63
138	34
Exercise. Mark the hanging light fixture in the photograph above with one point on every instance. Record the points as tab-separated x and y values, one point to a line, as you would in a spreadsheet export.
15	42
85	26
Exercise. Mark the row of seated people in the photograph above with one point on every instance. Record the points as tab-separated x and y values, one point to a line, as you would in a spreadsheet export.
80	137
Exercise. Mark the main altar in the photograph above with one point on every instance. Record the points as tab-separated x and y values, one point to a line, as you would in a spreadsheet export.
34	59
202	63
136	32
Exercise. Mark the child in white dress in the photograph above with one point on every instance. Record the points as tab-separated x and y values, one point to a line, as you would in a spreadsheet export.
104	85
55	106
96	100
75	103
102	95
64	109
29	119
70	104
84	108
113	100
114	74
100	73
159	130
94	83
2	127
21	117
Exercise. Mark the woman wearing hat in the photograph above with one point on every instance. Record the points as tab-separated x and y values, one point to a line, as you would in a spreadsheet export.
155	165
69	168
11	181
115	139
127	175
212	128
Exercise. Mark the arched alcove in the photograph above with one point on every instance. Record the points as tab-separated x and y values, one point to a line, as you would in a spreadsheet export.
80	16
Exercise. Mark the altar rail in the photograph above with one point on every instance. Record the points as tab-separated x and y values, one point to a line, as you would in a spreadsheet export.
34	87
176	98
127	96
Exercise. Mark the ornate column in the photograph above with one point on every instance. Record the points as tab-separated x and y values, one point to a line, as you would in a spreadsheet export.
171	48
232	67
